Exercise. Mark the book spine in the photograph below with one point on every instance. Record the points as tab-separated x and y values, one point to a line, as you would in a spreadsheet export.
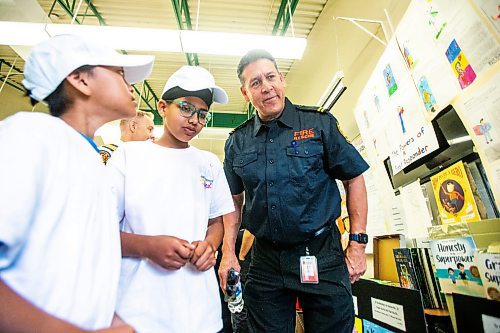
420	278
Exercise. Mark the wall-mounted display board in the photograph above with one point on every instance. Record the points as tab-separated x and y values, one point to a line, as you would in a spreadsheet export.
443	56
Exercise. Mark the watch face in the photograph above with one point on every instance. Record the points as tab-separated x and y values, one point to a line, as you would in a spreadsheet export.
363	238
360	238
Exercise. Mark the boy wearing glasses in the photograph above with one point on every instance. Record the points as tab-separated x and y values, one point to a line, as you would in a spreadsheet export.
171	215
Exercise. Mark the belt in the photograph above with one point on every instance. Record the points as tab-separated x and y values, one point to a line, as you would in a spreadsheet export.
317	233
320	231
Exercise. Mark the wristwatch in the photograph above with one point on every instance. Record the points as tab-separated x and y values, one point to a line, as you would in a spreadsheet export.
360	238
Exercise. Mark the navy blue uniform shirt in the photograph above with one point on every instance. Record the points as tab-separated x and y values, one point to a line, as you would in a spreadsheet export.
287	169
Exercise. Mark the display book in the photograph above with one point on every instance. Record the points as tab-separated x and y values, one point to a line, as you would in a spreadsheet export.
415	271
456	195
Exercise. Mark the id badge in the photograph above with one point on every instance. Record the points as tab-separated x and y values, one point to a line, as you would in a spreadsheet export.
308	269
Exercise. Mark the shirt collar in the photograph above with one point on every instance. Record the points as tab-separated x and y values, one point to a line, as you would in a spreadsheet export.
286	118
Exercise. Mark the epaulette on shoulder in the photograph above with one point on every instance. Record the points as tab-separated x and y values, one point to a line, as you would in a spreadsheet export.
243	124
307	108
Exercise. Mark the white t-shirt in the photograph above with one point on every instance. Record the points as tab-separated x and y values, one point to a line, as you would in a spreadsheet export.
165	191
59	240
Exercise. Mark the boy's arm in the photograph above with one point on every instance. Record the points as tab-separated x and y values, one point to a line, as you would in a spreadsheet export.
204	254
17	315
167	251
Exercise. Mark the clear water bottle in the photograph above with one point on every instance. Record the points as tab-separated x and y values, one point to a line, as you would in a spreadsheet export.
234	297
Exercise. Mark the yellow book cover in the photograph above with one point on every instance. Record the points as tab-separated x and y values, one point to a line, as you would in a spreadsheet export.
454	195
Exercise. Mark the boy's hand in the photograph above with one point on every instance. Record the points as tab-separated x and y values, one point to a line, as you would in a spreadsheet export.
117	329
170	252
204	256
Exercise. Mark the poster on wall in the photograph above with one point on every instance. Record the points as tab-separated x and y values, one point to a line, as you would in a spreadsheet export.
408	133
479	109
461	67
469	30
491	11
454	196
429	69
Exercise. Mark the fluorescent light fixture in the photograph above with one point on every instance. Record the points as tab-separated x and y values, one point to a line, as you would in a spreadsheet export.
223	43
333	92
123	38
142	39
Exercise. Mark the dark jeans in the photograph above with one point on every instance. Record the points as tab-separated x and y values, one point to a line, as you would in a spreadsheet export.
273	285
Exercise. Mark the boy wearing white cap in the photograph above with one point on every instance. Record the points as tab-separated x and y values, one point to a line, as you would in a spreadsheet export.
59	243
172	215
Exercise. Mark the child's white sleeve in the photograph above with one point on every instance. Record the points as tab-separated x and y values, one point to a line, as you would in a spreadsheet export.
21	184
222	201
116	173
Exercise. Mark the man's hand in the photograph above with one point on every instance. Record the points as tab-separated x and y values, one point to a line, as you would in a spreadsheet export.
228	261
204	256
169	252
355	259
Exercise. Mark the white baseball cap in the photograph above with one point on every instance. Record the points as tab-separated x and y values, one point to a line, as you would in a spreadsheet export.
51	61
196	78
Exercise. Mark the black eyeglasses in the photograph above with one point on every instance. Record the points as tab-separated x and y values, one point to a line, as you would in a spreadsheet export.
188	110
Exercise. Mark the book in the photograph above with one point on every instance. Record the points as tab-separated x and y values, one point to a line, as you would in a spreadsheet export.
454	260
429	279
488	265
454	196
406	270
424	291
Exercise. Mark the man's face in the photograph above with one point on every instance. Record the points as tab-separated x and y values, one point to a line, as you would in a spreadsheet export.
264	87
142	128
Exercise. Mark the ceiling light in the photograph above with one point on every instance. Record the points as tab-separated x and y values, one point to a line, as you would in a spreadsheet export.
238	44
142	39
333	92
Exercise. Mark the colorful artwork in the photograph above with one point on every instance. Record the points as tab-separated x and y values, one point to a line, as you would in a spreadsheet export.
369	327
410	62
455	265
461	67
426	94
400	110
434	19
454	196
484	129
358	325
390	82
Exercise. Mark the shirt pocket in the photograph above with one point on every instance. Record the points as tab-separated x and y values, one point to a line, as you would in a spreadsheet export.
245	166
304	162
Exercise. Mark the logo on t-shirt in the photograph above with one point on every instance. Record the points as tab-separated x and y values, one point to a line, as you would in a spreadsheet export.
207	183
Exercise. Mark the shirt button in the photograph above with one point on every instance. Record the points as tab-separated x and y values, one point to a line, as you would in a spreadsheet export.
271	140
271	183
306	152
273	207
271	161
275	229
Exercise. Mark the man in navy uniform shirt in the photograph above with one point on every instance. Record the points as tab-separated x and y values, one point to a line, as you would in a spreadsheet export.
283	163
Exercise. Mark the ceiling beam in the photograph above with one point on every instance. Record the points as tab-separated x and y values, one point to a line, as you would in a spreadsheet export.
284	16
181	11
5	79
